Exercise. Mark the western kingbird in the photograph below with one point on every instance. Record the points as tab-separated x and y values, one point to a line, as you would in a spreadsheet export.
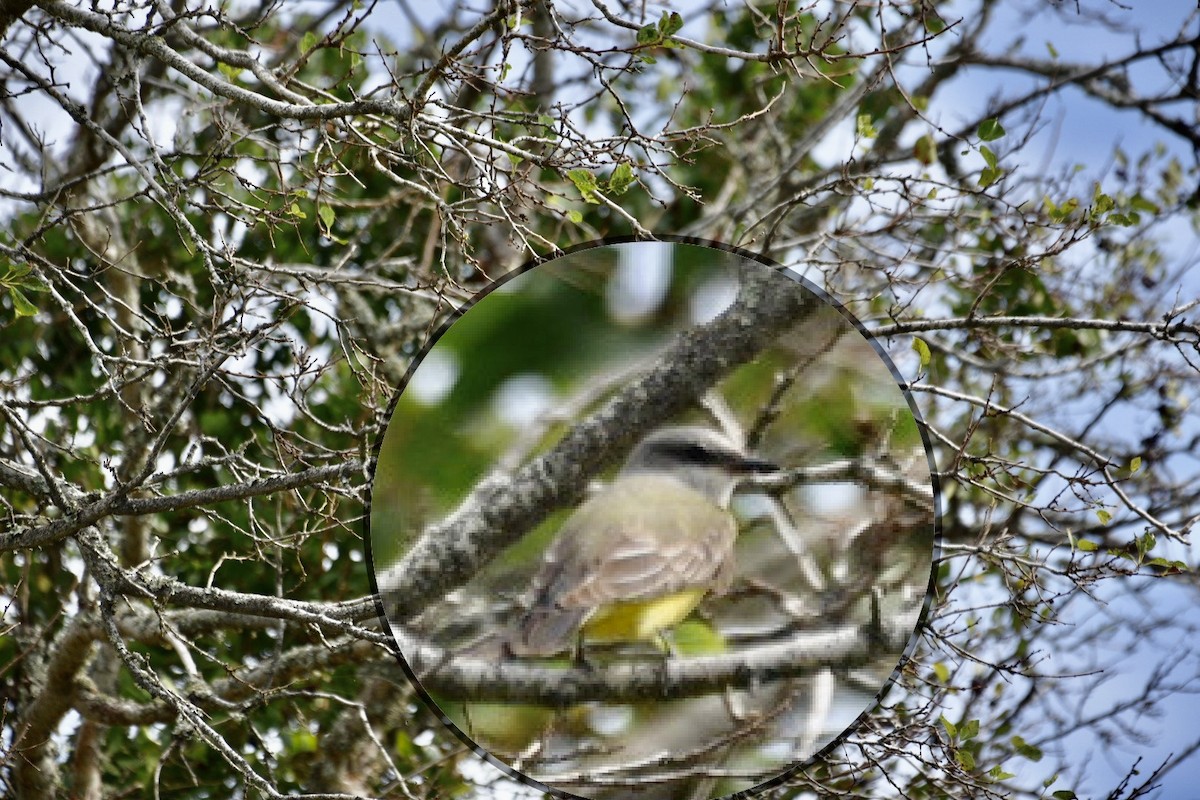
637	557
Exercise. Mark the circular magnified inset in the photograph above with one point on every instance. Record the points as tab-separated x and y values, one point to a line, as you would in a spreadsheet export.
652	519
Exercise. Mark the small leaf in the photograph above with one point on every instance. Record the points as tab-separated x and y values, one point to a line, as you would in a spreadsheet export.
648	35
1135	464
308	41
965	759
1086	545
997	773
327	215
991	173
575	216
969	729
989	176
1142	204
1105	515
942	672
950	727
1064	794
585	182
922	349
1101	203
670	23
21	304
925	150
296	212
1145	543
865	129
1025	749
621	180
990	130
1052	50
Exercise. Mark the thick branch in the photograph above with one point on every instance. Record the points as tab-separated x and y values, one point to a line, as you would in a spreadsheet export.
844	646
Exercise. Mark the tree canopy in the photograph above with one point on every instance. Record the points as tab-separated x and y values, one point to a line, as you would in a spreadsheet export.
231	228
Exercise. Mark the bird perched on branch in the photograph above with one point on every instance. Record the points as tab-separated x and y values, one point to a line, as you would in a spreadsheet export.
636	558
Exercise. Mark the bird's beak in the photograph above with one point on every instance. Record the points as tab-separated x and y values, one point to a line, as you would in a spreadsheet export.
752	465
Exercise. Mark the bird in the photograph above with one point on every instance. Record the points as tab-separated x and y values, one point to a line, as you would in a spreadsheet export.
637	557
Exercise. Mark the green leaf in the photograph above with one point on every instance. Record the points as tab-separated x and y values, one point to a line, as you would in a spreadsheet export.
1064	794
308	41
585	182
229	71
327	215
1025	749
1086	545
969	729
19	277
1142	204
942	672
669	24
1135	464
21	303
621	180
991	173
997	773
925	150
990	130
296	212
922	349
1101	202
950	727
865	129
648	35
965	759
1145	543
575	216
1059	212
989	176
1052	50
1168	564
1105	515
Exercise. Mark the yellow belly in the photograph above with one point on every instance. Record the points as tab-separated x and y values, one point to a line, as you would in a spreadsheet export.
641	619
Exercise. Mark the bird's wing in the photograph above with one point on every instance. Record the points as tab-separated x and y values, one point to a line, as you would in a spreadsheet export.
665	538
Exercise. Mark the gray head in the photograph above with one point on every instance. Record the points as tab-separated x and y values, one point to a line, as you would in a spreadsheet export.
704	459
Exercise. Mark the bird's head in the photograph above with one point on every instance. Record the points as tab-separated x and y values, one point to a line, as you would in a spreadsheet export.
705	459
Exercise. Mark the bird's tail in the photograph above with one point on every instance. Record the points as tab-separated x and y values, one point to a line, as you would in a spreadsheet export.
538	632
